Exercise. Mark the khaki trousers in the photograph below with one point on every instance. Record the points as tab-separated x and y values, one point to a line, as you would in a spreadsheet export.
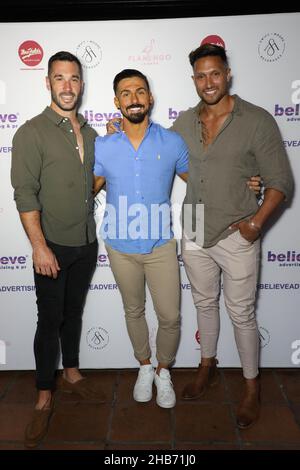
160	270
238	260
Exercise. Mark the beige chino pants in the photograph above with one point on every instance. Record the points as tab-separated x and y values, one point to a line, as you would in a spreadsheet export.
238	260
160	270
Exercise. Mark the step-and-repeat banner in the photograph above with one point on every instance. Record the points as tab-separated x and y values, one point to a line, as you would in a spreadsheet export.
263	52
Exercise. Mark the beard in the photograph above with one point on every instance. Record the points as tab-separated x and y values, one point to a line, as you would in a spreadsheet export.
65	106
138	117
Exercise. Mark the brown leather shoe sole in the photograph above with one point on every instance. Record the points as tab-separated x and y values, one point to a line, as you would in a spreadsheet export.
247	426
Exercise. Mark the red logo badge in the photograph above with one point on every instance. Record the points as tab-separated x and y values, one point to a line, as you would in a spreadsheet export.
30	53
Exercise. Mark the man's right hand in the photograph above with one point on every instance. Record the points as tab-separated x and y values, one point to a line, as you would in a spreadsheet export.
114	125
45	261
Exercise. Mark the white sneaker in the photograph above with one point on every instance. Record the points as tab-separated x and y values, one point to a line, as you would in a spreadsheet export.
165	393
143	386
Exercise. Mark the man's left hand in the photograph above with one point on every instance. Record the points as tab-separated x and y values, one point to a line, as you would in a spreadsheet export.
248	230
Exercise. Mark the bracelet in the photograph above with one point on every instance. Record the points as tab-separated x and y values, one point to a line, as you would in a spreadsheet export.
253	225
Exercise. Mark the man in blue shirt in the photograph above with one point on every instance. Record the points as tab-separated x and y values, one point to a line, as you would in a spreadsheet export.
138	166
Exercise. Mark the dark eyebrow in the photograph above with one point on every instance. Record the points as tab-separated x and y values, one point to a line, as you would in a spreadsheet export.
138	89
61	75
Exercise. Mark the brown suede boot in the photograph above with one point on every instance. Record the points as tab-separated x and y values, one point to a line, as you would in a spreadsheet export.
206	376
248	410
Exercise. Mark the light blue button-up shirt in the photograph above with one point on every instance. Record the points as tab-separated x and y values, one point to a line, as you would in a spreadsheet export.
138	187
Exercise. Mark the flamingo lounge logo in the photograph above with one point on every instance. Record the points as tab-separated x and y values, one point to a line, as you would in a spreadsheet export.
150	55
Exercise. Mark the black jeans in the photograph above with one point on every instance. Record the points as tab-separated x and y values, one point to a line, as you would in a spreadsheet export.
60	305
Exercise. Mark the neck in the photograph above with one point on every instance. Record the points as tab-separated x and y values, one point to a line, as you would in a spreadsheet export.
225	105
133	130
72	115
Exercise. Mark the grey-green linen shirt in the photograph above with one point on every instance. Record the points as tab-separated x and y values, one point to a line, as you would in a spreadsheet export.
249	143
48	176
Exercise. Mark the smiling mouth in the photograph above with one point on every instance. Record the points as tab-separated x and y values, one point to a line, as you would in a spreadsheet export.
135	109
210	92
67	97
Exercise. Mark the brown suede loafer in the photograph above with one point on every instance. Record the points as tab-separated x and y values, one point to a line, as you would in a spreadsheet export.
38	426
86	388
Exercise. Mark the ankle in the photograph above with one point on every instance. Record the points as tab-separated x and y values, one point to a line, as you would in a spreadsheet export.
44	399
161	366
145	362
72	374
208	361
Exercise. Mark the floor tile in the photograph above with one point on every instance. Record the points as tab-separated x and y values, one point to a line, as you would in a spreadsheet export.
204	422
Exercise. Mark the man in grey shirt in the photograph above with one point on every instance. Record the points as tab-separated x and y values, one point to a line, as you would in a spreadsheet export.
229	140
52	163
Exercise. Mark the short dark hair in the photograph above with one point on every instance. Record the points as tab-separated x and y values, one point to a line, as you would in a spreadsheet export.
208	50
127	73
64	56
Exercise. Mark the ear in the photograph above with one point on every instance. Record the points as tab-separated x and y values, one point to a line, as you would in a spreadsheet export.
193	78
48	83
82	87
228	75
151	99
116	101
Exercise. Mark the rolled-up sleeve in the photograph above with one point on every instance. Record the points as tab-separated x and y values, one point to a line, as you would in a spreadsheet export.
272	157
99	154
182	163
26	169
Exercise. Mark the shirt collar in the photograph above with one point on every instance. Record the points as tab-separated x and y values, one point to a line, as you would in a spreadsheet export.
237	108
58	119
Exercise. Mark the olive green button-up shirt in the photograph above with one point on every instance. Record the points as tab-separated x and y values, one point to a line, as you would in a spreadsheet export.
48	176
249	143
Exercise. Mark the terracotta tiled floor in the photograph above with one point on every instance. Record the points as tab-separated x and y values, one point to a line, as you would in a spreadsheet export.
123	424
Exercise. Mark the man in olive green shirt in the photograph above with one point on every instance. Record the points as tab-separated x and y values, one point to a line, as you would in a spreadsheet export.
229	140
52	175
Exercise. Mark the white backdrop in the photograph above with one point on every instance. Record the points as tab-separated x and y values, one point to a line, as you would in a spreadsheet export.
264	57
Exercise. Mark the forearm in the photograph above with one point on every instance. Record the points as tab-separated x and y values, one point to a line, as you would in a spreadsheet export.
98	183
32	225
272	199
184	176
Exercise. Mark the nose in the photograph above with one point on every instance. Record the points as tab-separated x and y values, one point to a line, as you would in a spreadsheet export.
67	85
208	82
134	98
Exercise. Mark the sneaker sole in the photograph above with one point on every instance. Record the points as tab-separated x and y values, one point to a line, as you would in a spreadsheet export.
166	406
142	401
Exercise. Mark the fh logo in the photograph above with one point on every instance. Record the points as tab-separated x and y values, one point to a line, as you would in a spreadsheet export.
2	352
295	357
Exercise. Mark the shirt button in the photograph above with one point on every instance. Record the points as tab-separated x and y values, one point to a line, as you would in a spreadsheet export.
201	181
71	130
136	158
77	148
200	200
137	174
137	192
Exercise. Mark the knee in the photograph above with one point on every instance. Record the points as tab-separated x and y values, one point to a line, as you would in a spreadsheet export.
170	323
